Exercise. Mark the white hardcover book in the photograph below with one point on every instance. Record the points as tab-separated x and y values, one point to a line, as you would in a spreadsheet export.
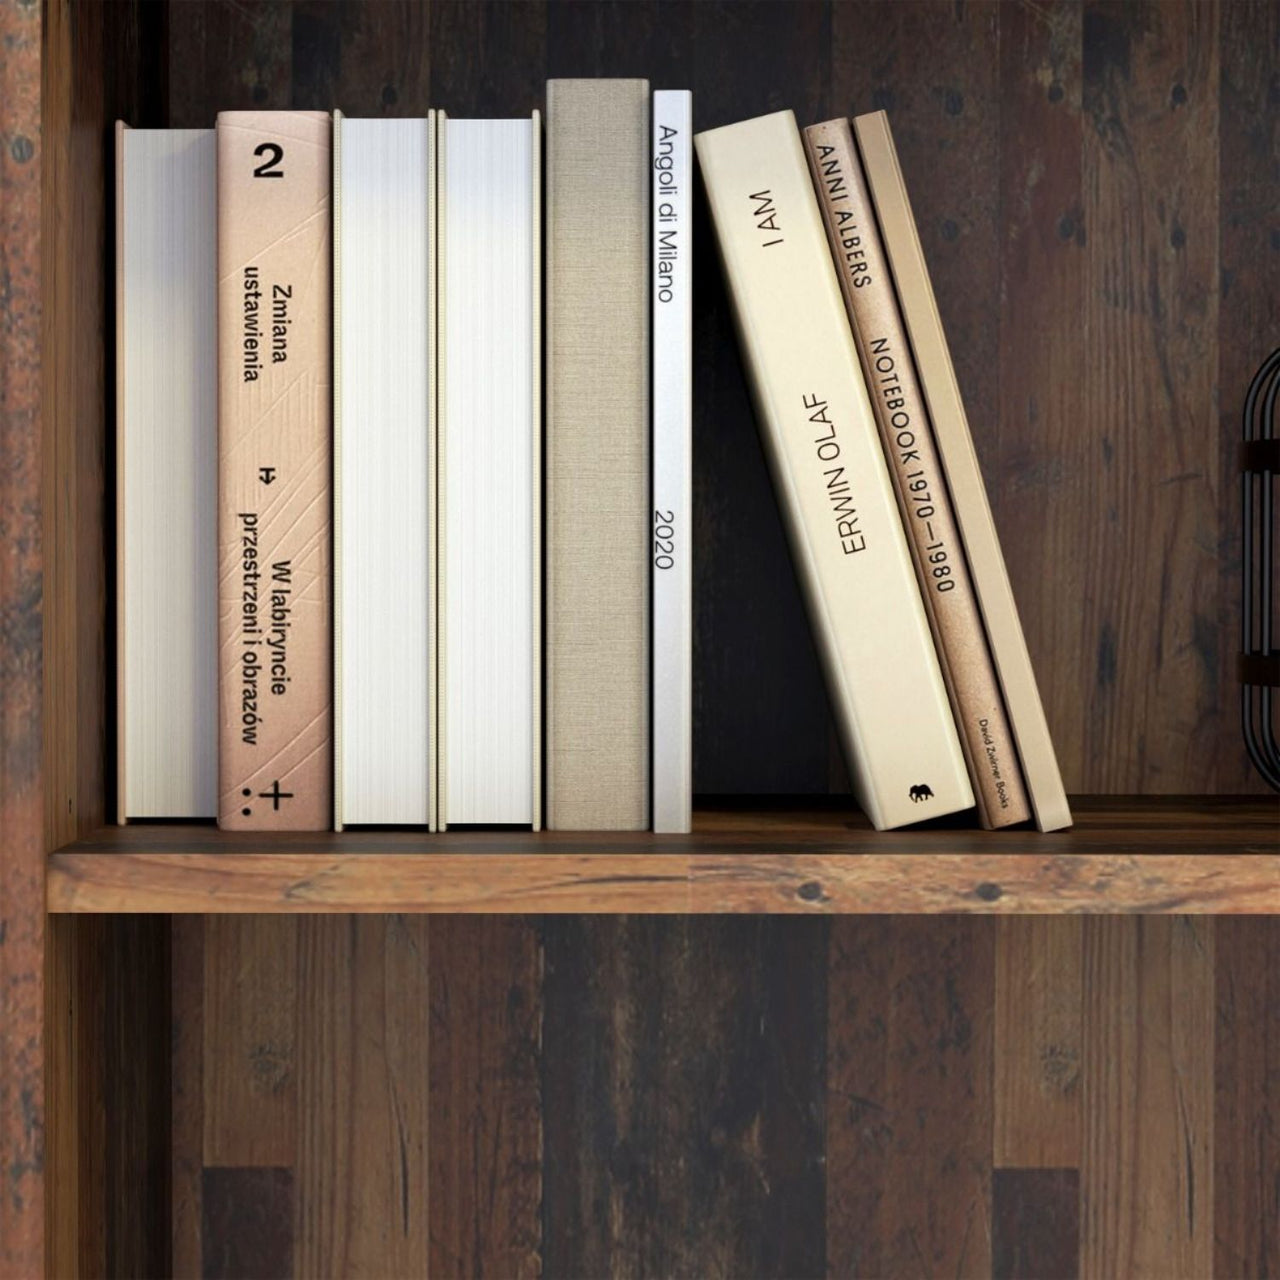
167	467
384	471
490	452
670	298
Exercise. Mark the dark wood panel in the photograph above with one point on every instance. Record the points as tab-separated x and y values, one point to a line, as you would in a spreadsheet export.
1035	1224
1147	1098
683	1097
485	1115
247	1228
1039	1009
761	717
251	1003
909	1120
1039	472
187	1109
108	1066
1246	1136
1150	608
360	1173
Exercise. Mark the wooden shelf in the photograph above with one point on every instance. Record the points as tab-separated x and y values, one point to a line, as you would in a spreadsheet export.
1151	855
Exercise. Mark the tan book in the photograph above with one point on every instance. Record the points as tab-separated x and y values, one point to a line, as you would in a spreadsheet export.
963	475
597	455
921	489
274	404
834	493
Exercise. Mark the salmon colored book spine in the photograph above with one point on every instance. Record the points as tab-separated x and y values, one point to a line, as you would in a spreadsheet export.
275	683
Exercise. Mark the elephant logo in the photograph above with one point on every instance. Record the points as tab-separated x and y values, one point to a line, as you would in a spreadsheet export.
920	792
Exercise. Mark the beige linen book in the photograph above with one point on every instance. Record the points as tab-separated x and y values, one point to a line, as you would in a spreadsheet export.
834	492
923	497
597	455
964	477
166	472
275	677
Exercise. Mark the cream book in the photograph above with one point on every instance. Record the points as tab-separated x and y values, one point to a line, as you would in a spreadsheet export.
671	292
964	477
384	507
923	497
598	512
167	472
274	443
834	492
490	468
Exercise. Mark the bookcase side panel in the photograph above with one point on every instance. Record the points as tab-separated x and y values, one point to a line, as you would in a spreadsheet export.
21	836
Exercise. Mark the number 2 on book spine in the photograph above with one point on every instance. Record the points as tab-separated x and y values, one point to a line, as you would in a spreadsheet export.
273	155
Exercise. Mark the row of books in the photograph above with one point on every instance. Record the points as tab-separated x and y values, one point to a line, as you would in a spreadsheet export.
339	531
501	634
878	481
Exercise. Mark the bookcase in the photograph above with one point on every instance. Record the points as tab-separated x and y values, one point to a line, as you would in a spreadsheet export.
1104	314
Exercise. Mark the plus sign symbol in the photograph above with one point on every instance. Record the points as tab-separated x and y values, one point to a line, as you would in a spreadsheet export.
275	795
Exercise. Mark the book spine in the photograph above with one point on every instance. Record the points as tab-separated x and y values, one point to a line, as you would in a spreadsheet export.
963	475
819	434
921	488
670	293
274	436
598	512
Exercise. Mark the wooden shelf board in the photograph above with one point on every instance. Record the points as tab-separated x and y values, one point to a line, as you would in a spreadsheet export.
1150	855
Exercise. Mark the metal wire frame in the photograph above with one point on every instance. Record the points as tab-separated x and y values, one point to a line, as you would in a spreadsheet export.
1260	662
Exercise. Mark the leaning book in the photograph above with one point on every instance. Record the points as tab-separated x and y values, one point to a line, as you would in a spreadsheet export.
837	502
923	496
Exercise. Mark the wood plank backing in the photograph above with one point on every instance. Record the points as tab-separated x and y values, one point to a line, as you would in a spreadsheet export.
1149	552
1035	1224
753	731
1246	1135
485	1120
1248	194
22	817
250	1040
1038	1010
1039	473
228	56
682	1097
360	1174
909	1106
1146	1166
247	1226
187	1110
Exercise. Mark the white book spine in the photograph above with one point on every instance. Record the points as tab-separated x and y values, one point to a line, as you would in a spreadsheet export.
670	299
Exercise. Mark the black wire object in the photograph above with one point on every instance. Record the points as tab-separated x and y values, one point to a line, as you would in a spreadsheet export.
1259	662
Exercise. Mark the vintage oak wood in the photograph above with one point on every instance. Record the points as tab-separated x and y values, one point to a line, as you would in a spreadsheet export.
1151	855
260	1058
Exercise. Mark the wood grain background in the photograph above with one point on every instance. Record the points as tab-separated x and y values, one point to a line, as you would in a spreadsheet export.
1097	189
